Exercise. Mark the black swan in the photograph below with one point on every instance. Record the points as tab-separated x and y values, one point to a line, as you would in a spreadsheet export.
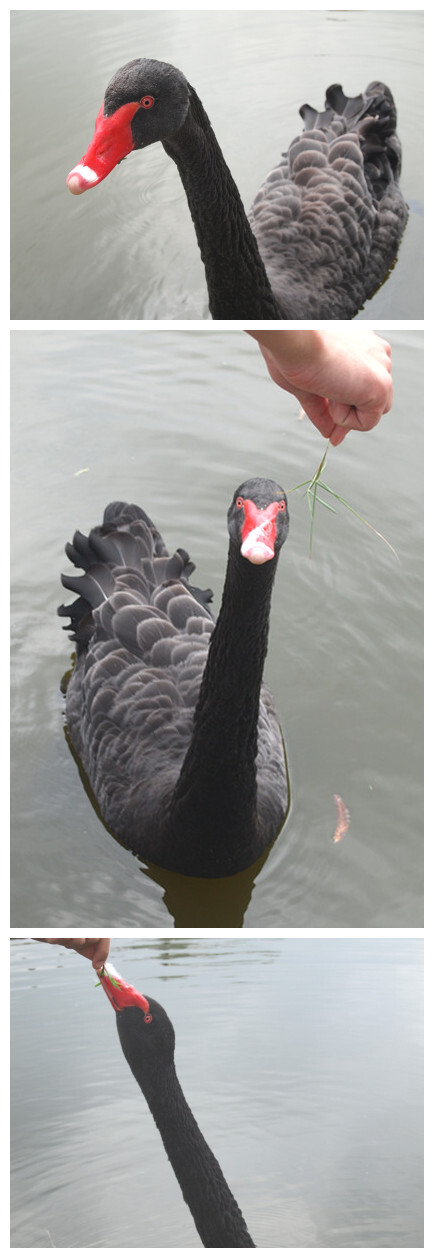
325	227
148	1041
178	738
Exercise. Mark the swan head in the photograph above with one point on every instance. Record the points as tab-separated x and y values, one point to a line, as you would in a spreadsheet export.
145	101
258	519
145	1031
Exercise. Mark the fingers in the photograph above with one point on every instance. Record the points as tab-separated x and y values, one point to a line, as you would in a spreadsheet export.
317	410
337	436
95	950
350	379
359	418
101	953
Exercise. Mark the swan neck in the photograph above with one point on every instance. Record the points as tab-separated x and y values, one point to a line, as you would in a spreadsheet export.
216	1214
238	285
217	783
238	647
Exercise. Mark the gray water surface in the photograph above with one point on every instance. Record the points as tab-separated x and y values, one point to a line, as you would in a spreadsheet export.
301	1060
127	249
175	421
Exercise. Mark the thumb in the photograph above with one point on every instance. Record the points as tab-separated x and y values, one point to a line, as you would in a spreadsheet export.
342	413
360	418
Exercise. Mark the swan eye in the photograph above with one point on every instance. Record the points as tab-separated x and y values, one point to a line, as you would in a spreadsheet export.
282	505
147	102
240	502
148	1017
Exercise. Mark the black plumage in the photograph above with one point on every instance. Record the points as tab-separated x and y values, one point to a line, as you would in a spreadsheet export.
177	735
325	227
148	1042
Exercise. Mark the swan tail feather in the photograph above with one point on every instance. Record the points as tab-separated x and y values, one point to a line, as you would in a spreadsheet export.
124	560
372	115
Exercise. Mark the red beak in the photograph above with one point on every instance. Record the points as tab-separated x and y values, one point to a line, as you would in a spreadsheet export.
111	142
120	993
259	531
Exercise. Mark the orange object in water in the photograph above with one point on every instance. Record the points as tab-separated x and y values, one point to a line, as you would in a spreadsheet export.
343	819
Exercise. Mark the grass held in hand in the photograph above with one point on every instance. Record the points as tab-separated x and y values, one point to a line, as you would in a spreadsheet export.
110	974
312	486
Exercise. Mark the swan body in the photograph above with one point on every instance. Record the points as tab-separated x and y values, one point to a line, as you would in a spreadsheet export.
148	1042
325	227
167	713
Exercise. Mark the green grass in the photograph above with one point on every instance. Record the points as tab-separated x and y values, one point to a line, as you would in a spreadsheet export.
312	486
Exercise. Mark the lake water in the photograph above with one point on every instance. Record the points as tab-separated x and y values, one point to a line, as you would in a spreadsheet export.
128	249
301	1060
175	421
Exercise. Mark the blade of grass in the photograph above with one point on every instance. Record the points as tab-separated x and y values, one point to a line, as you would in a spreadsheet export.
300	486
313	497
359	517
312	492
324	503
312	518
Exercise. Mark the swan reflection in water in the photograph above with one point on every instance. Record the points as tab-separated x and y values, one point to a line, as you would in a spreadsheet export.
190	901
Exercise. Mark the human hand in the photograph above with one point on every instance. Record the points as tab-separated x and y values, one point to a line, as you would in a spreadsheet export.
96	950
343	380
